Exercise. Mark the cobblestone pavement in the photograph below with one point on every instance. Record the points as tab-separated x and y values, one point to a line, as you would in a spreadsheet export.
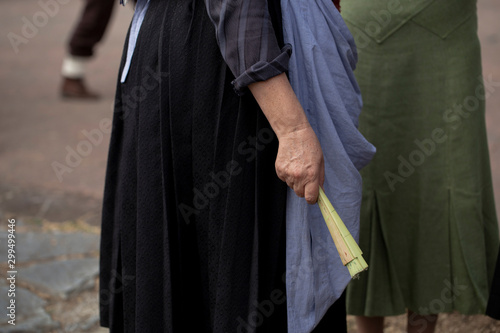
57	218
55	279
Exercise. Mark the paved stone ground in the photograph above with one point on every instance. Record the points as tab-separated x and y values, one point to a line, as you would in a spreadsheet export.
57	274
58	260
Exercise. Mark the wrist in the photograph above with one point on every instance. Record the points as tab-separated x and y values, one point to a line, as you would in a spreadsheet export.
285	129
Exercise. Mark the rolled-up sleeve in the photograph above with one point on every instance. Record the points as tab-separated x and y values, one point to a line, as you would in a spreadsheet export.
247	40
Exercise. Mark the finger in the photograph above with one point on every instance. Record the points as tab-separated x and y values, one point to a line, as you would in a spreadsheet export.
311	192
299	190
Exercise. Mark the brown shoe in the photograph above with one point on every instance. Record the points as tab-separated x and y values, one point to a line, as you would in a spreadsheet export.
75	88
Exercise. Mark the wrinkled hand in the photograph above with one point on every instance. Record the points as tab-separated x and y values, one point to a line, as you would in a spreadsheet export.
300	163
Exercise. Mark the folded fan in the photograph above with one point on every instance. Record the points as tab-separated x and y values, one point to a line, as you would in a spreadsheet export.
349	251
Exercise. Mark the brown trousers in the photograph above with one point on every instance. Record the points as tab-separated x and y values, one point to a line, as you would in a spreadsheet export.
91	27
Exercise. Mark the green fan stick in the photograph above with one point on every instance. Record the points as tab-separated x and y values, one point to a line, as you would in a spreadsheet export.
349	251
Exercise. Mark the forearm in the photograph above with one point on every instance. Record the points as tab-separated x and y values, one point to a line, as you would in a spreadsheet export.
280	105
300	159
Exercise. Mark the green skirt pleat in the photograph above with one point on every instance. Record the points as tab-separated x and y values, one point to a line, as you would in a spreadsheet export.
428	223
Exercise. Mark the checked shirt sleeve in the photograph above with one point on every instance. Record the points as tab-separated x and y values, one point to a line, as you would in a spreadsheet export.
247	40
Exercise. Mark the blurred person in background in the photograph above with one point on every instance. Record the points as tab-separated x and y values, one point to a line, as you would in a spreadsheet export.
88	32
428	222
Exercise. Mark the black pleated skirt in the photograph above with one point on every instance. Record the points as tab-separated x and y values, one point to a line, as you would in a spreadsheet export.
193	226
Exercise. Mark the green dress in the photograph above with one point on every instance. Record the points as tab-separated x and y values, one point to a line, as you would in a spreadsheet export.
428	223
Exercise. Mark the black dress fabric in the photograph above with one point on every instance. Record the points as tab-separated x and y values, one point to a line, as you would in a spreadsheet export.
193	225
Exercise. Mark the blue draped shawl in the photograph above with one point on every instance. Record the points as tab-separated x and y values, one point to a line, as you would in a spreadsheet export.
321	73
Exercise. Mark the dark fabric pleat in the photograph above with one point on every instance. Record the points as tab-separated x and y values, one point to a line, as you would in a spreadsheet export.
110	301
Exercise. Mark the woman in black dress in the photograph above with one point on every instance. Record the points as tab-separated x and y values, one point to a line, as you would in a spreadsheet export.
193	228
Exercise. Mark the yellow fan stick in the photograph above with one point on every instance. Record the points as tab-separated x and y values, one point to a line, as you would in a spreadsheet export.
349	251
